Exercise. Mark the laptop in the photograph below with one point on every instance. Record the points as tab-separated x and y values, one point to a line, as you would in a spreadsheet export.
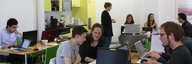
24	46
132	28
156	45
140	49
112	56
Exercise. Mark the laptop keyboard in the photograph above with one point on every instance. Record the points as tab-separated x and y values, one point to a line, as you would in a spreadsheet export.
19	50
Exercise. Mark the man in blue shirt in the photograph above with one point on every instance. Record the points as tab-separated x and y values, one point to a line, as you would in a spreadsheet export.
9	35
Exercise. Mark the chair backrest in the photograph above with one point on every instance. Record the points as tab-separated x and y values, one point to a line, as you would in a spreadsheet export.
50	53
52	61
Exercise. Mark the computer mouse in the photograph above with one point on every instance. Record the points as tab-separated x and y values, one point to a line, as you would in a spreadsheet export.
143	60
35	49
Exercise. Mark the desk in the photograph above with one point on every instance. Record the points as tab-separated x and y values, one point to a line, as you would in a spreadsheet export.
30	50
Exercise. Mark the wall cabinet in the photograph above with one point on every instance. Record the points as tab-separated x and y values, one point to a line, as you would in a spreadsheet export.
76	3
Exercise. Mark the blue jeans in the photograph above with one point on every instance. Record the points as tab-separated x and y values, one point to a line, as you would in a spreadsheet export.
107	41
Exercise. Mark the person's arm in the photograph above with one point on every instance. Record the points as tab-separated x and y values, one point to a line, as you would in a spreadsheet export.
154	55
189	30
88	59
145	24
2	45
18	35
68	60
154	25
150	61
78	59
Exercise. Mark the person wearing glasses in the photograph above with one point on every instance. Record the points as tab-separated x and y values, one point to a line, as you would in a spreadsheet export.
9	35
171	35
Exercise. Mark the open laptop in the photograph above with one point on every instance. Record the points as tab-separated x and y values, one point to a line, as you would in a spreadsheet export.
156	45
24	46
140	49
132	28
112	56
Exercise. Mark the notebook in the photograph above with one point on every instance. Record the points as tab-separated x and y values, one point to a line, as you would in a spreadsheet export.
132	28
24	46
156	45
140	49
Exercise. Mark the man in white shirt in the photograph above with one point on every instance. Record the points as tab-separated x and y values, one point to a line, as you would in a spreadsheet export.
9	35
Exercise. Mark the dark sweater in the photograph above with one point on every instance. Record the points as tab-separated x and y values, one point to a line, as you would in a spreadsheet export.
180	55
106	22
187	27
86	50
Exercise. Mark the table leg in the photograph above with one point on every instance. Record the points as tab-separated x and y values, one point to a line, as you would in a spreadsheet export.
25	58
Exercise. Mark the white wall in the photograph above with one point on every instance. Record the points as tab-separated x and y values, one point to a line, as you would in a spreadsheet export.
167	11
23	10
138	8
120	9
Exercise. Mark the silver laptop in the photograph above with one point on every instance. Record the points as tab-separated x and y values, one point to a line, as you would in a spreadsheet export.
140	49
24	46
132	28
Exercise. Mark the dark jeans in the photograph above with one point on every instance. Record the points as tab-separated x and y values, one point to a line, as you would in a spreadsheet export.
107	41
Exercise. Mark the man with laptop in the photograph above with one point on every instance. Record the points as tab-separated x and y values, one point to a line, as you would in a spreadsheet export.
9	35
171	35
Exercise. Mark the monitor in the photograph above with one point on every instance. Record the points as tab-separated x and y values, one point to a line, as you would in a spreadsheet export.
112	56
30	35
49	35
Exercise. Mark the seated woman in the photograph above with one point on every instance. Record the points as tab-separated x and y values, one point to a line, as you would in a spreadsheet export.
151	22
88	50
129	20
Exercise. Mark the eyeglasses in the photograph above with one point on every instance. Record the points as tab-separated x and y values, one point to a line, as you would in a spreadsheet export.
161	34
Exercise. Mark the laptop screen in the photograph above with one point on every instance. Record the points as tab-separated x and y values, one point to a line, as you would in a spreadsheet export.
26	43
132	28
140	48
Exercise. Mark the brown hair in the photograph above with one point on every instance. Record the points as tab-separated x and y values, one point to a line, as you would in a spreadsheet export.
176	29
78	30
107	4
148	21
132	22
97	25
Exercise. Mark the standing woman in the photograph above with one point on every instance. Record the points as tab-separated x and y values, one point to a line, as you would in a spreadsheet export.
129	19
88	50
106	22
151	22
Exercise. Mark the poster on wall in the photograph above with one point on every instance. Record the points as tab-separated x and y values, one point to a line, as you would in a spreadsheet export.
184	6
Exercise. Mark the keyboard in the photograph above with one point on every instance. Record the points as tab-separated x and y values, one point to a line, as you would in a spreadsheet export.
18	50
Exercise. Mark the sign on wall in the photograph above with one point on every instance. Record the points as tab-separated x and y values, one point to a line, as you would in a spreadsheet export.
184	6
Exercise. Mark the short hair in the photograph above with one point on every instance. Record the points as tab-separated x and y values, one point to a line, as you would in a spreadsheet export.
12	21
78	30
176	29
107	4
132	22
182	16
97	25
